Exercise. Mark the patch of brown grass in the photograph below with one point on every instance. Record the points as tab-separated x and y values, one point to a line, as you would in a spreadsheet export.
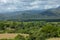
11	35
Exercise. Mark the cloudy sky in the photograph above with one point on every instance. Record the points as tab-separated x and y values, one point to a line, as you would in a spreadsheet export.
19	5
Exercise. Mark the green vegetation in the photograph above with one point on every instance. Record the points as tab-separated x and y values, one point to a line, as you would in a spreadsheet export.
37	30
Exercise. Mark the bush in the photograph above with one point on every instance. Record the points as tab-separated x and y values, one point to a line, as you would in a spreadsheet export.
19	37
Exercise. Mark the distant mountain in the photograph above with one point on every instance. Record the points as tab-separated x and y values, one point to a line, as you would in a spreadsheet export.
41	14
31	14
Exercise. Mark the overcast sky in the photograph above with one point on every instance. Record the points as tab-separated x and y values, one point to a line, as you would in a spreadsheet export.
14	5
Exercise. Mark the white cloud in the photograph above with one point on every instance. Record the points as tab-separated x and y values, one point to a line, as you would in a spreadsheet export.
12	8
50	6
9	5
32	7
46	4
3	1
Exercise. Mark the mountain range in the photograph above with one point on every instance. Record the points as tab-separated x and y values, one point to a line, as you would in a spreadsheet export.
53	13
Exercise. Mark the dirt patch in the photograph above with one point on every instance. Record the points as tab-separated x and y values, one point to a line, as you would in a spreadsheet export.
11	36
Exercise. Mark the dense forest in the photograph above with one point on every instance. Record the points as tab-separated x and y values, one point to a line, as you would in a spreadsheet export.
37	30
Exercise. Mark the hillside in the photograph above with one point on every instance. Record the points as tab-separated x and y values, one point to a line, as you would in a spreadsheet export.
31	14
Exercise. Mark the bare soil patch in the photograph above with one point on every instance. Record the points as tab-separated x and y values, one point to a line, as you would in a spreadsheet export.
11	35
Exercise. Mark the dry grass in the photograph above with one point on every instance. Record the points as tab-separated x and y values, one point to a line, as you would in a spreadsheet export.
54	39
11	36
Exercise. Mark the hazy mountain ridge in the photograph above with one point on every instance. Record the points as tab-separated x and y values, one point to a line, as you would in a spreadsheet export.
32	14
